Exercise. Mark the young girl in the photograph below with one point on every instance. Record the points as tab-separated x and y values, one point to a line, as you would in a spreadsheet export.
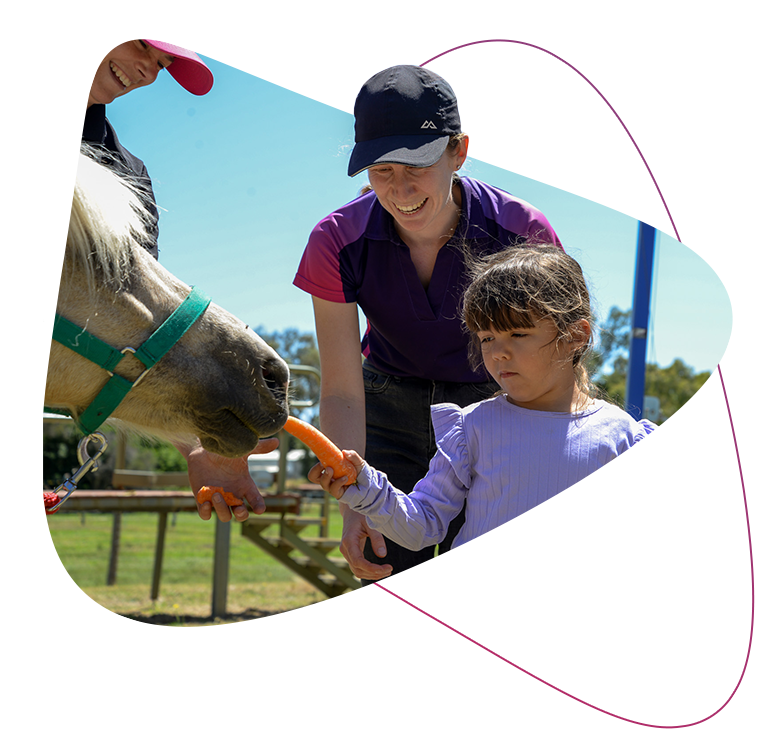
527	309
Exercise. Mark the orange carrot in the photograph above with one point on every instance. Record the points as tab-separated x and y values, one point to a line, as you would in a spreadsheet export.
324	449
205	493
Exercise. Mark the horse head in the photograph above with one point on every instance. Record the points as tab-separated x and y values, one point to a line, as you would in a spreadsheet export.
219	382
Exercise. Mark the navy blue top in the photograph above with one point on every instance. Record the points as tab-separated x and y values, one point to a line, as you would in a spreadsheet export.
98	132
356	255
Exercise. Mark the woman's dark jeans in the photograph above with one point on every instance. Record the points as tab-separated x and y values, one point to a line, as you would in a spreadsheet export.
400	442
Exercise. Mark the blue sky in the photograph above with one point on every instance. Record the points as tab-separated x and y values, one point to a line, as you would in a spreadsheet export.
244	173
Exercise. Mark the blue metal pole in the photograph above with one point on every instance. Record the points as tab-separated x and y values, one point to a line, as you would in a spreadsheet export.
636	371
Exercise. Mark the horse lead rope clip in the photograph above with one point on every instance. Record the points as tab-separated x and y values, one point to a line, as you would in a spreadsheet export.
87	463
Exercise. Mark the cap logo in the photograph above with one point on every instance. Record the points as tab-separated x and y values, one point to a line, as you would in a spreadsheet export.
428	125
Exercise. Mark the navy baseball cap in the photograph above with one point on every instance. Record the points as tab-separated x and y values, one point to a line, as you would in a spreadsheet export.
404	115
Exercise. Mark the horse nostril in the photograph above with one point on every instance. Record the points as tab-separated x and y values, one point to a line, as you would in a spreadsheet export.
275	375
268	378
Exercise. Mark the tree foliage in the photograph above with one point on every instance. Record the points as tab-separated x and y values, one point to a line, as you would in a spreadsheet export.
700	453
296	347
60	456
60	452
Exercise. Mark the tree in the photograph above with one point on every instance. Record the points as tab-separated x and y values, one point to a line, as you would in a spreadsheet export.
699	453
60	458
296	347
613	338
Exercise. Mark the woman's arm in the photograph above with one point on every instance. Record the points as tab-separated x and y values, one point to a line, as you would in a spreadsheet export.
342	417
342	401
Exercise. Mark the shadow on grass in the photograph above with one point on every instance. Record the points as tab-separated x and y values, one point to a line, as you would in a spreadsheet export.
85	624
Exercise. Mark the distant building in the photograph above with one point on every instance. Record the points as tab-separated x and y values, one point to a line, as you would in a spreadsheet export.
263	467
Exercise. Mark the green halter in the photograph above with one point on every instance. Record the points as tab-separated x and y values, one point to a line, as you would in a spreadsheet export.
107	357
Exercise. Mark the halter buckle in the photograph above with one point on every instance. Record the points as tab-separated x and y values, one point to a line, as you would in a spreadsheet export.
132	351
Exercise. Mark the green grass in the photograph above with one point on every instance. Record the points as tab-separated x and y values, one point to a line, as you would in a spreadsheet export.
77	553
266	598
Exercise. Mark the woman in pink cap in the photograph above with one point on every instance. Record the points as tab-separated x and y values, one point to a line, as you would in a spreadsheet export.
127	67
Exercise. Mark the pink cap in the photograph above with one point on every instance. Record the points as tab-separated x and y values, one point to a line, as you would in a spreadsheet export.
187	69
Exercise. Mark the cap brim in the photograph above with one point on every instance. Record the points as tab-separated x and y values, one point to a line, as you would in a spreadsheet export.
412	150
187	69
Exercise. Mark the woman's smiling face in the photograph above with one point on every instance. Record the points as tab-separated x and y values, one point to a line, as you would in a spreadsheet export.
420	199
127	67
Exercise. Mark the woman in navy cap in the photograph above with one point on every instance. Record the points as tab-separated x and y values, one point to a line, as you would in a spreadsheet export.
398	252
127	67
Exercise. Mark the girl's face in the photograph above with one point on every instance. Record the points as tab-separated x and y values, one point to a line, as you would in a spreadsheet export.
125	68
532	367
420	199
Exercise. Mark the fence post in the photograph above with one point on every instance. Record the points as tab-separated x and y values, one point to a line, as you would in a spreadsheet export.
222	544
115	541
159	555
115	545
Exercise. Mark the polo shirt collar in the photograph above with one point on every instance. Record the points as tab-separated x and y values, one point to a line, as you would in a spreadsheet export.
472	223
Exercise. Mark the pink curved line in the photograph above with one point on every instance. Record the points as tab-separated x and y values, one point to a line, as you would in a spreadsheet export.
597	91
419	609
745	500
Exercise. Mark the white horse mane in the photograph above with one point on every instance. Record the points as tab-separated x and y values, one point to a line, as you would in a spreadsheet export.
106	218
220	382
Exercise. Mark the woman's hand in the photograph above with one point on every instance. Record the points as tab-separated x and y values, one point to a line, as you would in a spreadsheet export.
208	469
352	544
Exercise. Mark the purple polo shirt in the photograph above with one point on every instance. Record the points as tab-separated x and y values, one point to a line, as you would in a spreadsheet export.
356	255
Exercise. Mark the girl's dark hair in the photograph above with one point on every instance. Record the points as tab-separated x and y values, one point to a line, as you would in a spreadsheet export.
521	285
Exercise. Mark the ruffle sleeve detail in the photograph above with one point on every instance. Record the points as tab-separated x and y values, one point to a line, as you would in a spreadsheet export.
648	444
449	434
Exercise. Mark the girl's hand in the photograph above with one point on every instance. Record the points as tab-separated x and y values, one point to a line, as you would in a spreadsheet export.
335	487
356	532
324	476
